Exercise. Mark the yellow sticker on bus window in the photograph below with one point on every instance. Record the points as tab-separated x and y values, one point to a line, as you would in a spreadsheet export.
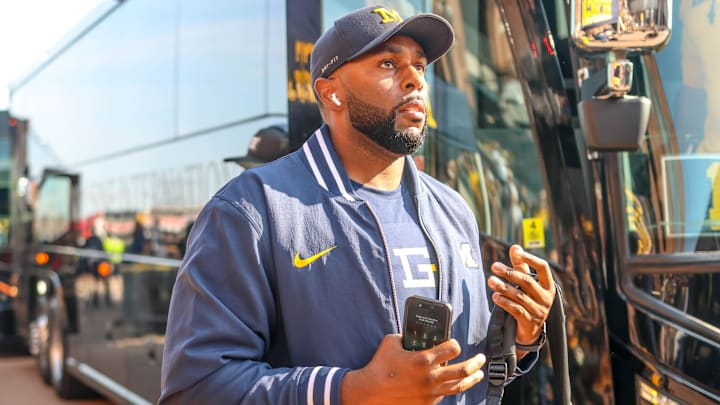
533	233
596	12
713	173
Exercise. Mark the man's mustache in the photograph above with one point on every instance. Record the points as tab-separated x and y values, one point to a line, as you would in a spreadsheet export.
408	99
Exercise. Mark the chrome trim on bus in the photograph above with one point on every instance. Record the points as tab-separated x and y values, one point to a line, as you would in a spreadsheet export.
107	382
178	138
697	263
627	269
678	377
98	254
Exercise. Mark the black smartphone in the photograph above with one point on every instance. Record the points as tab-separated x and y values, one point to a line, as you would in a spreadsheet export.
427	323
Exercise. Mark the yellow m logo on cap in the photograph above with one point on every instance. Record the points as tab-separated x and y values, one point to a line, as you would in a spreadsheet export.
388	15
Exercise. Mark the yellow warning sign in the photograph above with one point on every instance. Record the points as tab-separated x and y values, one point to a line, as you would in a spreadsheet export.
713	173
596	12
533	233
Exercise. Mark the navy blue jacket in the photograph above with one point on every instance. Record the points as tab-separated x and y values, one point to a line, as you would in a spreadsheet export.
248	326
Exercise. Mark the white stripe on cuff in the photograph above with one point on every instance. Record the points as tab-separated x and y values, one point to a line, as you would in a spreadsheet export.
311	385
328	385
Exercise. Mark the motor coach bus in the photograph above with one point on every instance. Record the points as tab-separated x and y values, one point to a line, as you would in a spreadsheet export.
131	120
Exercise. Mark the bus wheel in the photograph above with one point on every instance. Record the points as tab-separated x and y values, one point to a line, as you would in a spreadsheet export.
39	336
65	385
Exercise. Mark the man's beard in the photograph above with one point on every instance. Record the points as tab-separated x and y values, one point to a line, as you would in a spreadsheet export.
379	126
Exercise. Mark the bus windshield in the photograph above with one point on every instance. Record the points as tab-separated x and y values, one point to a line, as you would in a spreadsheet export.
5	169
672	184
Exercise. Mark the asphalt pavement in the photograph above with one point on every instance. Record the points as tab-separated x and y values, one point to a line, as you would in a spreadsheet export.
20	383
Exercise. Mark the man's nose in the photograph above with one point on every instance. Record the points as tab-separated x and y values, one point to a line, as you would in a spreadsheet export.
412	78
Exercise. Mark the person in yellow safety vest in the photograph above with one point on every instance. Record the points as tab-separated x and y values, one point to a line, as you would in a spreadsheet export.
114	247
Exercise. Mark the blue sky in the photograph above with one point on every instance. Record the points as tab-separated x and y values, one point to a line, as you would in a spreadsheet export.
28	29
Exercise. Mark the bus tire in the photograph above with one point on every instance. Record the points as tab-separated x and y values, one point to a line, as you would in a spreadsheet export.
39	339
64	384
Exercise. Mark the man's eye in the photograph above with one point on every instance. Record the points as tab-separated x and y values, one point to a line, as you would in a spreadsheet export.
421	68
388	64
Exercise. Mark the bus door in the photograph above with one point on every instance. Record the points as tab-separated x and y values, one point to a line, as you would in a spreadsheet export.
12	133
501	134
48	276
658	194
664	209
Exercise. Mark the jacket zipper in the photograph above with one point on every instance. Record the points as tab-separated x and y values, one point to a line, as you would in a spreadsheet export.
389	268
432	244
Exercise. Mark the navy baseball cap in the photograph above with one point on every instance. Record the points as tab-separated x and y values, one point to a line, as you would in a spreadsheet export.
266	145
360	31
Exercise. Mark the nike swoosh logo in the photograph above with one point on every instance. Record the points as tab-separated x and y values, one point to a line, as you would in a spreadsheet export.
300	263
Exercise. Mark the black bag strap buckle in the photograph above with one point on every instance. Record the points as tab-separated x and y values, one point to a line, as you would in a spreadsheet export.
497	372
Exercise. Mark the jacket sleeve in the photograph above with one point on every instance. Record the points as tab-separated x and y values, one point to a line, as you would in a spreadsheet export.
222	314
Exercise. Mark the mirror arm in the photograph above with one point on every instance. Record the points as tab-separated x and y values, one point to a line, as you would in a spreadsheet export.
610	118
614	80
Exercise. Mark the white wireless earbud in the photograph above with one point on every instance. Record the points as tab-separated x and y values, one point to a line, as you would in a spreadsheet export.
335	99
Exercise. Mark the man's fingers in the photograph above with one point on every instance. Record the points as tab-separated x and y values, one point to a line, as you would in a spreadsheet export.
517	311
460	377
517	297
516	259
542	268
460	370
454	387
467	383
506	279
529	325
441	353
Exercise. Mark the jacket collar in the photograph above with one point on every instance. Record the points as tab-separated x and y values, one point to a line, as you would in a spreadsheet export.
329	173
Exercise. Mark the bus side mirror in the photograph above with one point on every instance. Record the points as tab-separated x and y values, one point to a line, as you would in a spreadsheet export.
614	125
610	119
631	25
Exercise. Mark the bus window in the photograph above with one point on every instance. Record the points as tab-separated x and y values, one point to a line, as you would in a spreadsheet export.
52	222
672	203
678	166
672	184
217	82
482	144
5	179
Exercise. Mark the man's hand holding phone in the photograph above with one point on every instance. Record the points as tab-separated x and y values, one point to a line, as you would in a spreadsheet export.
412	368
396	375
426	323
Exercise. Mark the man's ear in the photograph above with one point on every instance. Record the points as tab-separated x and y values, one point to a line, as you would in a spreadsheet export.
329	93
